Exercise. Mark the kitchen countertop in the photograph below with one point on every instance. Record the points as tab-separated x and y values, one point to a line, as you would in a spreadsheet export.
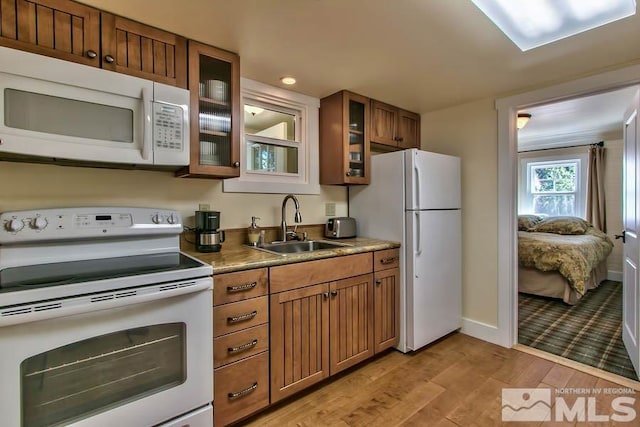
241	257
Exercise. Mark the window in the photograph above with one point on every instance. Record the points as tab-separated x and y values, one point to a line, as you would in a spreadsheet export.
279	144
553	186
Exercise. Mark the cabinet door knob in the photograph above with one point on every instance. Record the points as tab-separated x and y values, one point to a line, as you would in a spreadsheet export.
378	282
325	295
92	54
236	164
334	293
348	173
109	59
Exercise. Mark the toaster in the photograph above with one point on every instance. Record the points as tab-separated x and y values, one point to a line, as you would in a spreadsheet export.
340	228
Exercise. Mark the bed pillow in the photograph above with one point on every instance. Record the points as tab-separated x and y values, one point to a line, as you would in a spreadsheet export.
561	225
525	222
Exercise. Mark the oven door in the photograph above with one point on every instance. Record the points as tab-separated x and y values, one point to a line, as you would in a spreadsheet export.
122	363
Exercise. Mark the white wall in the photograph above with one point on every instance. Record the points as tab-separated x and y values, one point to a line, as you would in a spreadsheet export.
613	192
470	132
26	186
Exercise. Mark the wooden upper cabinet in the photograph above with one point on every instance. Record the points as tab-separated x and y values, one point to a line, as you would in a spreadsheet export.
408	129
394	128
383	123
344	139
140	50
214	83
57	28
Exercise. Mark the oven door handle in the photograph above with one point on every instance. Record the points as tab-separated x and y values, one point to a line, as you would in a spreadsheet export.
102	301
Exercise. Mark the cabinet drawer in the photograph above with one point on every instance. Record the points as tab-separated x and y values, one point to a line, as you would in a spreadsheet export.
231	287
383	260
292	276
240	389
240	315
240	345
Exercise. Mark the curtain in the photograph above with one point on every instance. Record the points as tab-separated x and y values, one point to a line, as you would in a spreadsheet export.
596	211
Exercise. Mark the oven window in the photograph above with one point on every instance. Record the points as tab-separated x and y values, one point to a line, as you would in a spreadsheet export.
90	376
68	117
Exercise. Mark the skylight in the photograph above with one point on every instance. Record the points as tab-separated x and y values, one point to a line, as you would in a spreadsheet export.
533	23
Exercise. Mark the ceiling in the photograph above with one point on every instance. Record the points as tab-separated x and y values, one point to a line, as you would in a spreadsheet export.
422	55
579	121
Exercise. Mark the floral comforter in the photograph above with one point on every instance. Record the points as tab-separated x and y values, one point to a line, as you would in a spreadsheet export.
574	256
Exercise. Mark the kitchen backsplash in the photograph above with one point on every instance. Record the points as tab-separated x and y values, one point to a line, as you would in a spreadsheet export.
27	186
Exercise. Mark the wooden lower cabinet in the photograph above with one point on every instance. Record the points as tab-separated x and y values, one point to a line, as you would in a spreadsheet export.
299	339
241	389
351	322
386	308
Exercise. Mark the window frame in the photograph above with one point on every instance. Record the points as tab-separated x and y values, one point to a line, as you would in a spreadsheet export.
306	109
525	199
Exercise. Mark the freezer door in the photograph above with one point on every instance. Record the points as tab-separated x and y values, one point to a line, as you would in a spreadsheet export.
434	275
432	180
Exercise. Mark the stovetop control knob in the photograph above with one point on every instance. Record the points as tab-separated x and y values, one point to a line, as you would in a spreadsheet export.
157	219
38	223
171	219
14	225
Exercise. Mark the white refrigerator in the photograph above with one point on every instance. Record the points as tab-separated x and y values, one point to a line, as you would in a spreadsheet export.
414	198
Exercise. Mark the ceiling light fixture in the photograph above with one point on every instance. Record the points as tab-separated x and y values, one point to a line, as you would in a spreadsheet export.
288	80
523	119
253	110
530	24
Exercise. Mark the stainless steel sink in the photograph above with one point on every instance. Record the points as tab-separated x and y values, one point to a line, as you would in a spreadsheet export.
294	247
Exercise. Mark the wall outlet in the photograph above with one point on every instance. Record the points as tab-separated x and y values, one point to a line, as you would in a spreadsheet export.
330	209
204	207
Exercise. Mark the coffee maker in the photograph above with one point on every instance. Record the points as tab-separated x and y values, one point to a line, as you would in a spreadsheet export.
208	237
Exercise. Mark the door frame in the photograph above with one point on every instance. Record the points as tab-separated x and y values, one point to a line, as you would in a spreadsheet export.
507	108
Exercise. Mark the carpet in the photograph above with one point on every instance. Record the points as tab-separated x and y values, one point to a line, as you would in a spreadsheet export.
589	332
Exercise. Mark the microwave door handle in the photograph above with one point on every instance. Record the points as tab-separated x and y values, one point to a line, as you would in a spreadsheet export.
146	129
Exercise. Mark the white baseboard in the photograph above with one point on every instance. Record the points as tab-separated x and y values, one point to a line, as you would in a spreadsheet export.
481	331
614	275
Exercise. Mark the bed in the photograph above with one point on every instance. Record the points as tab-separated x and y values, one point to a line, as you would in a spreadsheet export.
560	257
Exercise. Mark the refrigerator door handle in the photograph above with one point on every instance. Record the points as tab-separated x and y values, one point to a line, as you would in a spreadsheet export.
418	243
417	187
419	232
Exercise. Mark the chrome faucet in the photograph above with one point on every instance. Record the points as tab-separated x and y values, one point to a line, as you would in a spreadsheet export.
297	218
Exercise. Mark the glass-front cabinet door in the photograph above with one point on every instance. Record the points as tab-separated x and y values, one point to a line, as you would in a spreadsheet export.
357	154
344	139
214	84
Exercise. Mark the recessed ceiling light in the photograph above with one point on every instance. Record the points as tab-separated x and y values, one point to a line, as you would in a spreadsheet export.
534	23
288	80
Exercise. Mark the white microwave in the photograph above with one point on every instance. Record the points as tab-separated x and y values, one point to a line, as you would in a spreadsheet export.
52	109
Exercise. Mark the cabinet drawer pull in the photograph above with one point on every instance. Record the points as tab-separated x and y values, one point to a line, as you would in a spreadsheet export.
243	347
389	260
240	288
242	317
237	394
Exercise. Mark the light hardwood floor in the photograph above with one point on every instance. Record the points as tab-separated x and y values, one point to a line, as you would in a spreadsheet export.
457	381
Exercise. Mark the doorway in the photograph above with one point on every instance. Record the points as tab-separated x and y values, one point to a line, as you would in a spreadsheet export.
507	247
570	290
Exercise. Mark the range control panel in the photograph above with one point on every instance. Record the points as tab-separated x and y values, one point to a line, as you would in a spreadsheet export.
84	223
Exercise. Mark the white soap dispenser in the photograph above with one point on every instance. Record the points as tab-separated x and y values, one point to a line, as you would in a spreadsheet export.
253	232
